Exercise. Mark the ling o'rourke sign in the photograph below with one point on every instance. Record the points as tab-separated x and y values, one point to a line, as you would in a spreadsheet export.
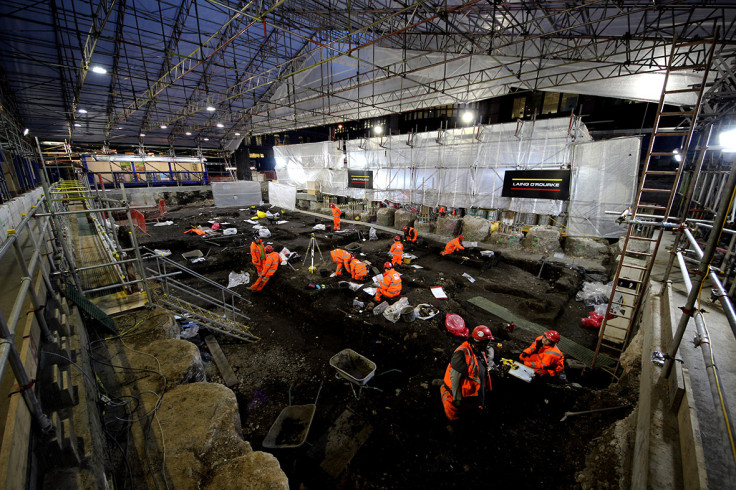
361	179
537	184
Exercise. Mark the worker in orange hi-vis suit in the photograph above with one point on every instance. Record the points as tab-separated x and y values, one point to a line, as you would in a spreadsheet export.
390	285
335	217
257	253
397	251
357	269
453	245
273	260
341	258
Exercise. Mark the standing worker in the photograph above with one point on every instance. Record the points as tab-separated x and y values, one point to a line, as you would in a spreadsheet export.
257	253
271	264
397	251
544	357
335	217
410	234
466	378
441	211
453	245
357	269
341	258
390	285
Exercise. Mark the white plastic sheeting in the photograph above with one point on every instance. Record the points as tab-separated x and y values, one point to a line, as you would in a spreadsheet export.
604	179
312	162
240	193
282	195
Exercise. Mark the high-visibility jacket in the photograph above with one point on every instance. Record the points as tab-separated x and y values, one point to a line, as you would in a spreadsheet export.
452	246
441	210
357	269
273	260
390	285
336	218
411	235
257	252
466	379
336	212
546	360
397	250
341	258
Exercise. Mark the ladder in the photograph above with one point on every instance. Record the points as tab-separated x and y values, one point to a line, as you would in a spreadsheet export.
650	213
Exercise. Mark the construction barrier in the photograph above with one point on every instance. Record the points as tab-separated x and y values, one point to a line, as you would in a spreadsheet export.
138	220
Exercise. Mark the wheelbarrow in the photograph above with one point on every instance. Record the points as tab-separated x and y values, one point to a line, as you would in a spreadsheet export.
291	427
355	368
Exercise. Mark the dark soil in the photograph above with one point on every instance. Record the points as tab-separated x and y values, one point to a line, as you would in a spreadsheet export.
517	441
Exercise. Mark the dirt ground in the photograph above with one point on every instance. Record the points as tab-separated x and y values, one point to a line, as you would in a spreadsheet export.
404	439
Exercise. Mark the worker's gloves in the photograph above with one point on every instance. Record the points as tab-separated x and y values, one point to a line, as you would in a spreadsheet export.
457	403
524	355
377	298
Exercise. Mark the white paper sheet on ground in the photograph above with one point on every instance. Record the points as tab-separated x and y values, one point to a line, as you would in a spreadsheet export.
235	279
518	370
162	253
230	231
284	255
354	286
470	244
468	277
319	227
408	256
417	267
377	279
282	222
163	223
370	291
250	221
438	292
200	259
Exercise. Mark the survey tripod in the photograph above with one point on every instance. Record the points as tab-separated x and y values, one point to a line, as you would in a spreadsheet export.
310	251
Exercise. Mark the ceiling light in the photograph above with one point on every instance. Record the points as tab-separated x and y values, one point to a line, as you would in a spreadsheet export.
120	127
163	126
220	125
206	139
727	139
83	111
678	157
77	125
25	132
237	134
378	130
339	126
99	69
142	135
210	108
188	133
468	117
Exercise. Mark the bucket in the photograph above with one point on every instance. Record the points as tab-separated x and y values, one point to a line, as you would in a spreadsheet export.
407	260
409	314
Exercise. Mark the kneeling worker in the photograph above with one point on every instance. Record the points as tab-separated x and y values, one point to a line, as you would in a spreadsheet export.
357	269
454	245
543	355
410	234
341	258
466	378
273	260
390	286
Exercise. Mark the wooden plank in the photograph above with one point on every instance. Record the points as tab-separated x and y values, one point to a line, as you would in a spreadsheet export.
228	375
121	302
337	447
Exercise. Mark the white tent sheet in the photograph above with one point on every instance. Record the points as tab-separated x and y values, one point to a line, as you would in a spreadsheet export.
282	195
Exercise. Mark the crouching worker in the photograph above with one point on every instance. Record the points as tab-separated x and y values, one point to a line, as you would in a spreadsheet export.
410	234
273	260
466	378
390	286
454	245
341	258
543	355
357	269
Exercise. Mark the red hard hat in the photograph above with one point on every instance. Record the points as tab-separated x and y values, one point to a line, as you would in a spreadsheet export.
553	335
406	228
269	249
397	238
481	333
332	204
461	237
387	265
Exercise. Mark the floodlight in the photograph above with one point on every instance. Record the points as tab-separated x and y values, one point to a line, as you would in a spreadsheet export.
220	125
378	130
26	131
206	139
77	125
142	135
678	157
83	111
210	108
99	69
468	117
188	133
237	134
163	126
727	139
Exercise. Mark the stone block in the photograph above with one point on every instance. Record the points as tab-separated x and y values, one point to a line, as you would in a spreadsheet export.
367	217
424	227
385	216
448	226
542	239
506	239
262	471
315	205
476	229
591	248
403	218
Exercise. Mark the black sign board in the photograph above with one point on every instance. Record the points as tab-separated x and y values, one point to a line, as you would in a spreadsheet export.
537	184
361	179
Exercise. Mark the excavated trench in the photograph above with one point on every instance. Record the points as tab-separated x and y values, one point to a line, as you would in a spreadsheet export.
401	436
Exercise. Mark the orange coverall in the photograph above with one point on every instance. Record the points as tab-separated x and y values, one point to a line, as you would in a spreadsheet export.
357	269
336	218
397	250
273	260
390	285
466	380
546	360
257	254
452	246
411	235
341	258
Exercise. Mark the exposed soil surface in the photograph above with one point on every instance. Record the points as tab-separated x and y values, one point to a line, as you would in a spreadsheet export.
517	441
